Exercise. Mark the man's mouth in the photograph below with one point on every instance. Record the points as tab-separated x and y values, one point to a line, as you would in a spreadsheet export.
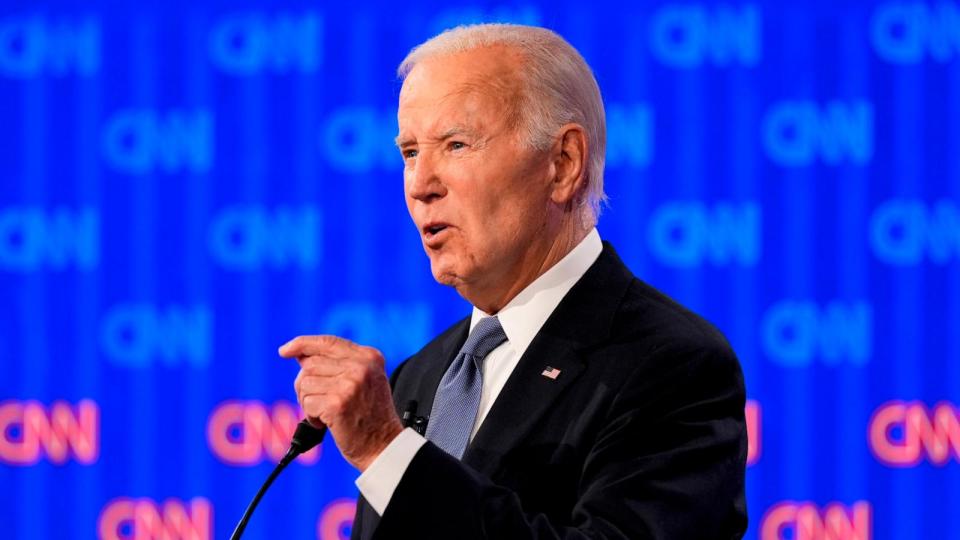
434	228
431	230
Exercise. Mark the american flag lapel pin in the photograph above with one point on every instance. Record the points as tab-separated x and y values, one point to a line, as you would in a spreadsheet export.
551	373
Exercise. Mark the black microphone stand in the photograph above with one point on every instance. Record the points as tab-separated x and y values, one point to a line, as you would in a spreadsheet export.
304	438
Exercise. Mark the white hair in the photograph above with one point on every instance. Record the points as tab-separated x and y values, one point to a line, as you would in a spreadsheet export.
558	87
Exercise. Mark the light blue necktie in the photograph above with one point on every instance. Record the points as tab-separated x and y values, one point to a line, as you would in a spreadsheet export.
458	396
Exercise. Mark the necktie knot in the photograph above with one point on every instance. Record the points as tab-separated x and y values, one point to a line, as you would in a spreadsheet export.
486	336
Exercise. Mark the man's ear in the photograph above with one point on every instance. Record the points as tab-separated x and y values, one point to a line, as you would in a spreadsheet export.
570	162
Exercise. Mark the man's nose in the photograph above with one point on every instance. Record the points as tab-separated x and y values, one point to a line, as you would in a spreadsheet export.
423	182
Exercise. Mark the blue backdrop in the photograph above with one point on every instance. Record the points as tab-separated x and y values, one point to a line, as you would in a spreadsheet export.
186	185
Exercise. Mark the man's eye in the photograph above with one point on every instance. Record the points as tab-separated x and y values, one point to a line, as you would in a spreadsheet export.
457	145
407	154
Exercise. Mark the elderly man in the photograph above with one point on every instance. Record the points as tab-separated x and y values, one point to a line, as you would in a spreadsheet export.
576	401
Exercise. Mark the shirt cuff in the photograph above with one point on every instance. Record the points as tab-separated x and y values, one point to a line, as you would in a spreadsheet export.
382	477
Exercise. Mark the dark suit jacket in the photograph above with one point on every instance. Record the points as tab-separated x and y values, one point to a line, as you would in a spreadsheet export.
642	434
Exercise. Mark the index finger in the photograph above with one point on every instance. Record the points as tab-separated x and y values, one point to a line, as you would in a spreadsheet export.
316	346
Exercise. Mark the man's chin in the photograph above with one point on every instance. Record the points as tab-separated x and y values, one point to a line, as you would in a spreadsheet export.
445	278
443	272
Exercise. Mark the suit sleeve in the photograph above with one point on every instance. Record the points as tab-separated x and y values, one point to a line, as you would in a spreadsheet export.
668	463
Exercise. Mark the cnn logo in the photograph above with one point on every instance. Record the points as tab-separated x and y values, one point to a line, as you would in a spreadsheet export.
752	413
805	521
146	519
29	431
248	432
903	434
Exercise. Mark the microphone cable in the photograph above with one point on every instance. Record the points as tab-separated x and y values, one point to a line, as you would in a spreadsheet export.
305	437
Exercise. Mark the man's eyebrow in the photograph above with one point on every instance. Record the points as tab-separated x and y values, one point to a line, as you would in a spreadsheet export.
402	140
455	130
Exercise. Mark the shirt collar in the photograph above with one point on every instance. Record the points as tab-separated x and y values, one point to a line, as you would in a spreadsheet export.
526	313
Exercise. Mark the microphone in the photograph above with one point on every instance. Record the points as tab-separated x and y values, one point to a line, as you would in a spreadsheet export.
409	413
411	420
305	437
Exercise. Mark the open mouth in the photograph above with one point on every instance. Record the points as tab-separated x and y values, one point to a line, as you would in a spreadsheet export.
431	230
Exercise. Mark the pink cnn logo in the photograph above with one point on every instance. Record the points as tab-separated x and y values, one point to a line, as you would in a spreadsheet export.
29	430
145	519
902	434
805	521
248	432
336	519
752	413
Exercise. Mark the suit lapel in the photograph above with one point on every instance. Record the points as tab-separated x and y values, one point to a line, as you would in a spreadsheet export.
582	319
527	395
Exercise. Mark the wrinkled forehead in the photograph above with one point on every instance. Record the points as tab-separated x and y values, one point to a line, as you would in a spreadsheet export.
481	76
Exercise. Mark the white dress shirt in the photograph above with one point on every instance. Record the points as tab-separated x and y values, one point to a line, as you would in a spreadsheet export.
521	319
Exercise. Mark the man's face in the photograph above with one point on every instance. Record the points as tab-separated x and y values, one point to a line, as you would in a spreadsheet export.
478	196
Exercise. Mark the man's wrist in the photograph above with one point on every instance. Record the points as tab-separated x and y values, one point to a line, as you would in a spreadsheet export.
389	433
